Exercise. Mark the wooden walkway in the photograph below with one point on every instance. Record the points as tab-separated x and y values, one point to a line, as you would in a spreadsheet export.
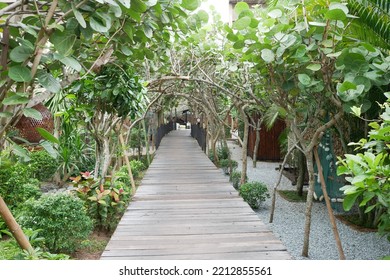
185	208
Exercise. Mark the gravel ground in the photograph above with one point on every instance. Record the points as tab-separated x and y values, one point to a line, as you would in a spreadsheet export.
289	221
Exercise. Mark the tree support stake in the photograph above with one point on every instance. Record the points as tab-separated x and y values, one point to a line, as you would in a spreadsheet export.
328	206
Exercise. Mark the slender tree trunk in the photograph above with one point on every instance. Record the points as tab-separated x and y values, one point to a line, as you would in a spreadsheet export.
146	141
301	173
309	202
271	218
14	227
133	188
257	142
328	206
106	157
244	148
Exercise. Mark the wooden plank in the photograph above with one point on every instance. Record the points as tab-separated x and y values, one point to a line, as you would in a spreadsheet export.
185	208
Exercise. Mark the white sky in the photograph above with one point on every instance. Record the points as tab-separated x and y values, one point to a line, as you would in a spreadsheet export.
222	6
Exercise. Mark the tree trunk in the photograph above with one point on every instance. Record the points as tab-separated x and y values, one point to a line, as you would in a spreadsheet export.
146	141
244	148
133	188
301	173
328	206
309	202
14	227
105	157
257	142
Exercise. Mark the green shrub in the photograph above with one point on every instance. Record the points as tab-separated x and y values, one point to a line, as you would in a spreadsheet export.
62	219
235	178
122	175
17	184
254	193
223	153
226	163
136	168
43	165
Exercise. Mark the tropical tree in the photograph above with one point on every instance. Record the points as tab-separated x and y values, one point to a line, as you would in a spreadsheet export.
311	70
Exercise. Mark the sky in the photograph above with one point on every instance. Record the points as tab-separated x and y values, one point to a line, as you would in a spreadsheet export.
222	6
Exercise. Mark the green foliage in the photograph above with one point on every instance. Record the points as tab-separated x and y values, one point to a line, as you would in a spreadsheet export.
254	193
235	178
226	164
368	174
17	184
105	202
136	168
222	153
43	164
3	229
62	219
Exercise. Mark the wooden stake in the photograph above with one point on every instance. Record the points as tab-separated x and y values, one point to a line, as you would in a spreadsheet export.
14	227
328	206
133	189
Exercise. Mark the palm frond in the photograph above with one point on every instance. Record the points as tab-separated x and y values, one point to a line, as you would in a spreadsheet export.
374	15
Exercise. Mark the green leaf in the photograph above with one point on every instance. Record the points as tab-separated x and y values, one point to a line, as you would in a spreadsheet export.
338	6
304	79
49	148
350	200
357	111
47	135
267	55
21	53
314	67
356	62
20	73
72	63
15	100
275	13
242	23
48	81
126	50
79	17
125	3
32	113
232	37
316	23
100	22
347	86
240	7
239	45
190	5
19	151
359	178
335	14
203	16
148	31
6	115
63	42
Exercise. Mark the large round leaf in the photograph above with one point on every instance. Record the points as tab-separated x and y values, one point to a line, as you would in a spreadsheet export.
304	79
21	53
242	23
190	5
240	7
267	55
20	73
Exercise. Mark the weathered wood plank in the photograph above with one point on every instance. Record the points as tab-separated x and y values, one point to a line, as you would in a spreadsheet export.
185	208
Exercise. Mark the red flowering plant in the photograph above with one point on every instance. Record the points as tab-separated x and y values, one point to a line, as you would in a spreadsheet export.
105	199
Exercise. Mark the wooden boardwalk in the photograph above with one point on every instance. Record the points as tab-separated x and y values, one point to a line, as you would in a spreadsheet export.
185	208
